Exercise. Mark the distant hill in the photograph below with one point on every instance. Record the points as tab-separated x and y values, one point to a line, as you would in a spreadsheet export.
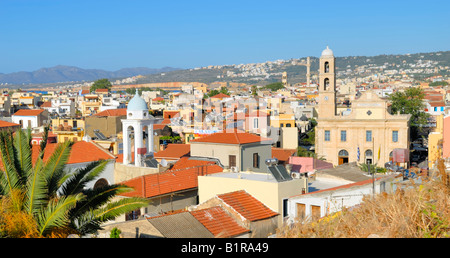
346	67
63	73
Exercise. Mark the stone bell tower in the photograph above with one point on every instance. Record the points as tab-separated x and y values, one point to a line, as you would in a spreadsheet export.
327	85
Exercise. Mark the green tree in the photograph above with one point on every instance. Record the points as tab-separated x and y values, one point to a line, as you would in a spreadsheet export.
115	233
53	198
101	84
274	86
411	102
254	91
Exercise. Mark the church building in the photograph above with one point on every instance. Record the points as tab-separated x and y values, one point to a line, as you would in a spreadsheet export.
366	134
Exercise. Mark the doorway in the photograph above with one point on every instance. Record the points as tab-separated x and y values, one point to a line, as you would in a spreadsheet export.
343	157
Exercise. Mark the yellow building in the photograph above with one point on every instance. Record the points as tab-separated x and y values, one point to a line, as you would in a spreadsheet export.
90	105
434	141
68	129
283	120
366	134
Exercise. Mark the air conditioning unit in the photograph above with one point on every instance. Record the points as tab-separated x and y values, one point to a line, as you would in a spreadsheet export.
234	169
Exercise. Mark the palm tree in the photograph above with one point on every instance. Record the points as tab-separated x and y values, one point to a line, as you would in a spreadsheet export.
55	199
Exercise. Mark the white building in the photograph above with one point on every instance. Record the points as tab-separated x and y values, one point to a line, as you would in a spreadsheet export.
30	118
324	202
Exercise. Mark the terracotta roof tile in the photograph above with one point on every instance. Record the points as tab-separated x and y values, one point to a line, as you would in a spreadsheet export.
7	124
46	104
218	222
28	112
81	152
232	136
182	178
174	151
246	205
220	96
282	154
113	112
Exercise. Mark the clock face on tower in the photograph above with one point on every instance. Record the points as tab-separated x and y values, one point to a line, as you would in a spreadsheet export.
326	98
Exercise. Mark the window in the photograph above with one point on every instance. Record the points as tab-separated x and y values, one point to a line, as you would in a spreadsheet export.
315	211
232	160
327	67
326	83
281	125
343	136
301	210
288	125
435	108
395	136
327	135
285	207
368	136
255	160
255	123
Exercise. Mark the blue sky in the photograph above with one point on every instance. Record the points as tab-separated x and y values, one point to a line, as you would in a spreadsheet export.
115	34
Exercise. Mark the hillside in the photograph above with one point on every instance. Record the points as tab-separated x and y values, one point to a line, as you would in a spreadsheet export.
63	73
420	65
417	66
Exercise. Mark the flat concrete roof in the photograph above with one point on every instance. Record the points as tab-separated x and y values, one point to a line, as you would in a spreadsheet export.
263	177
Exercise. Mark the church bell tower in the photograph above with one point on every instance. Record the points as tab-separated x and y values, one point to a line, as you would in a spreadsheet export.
327	85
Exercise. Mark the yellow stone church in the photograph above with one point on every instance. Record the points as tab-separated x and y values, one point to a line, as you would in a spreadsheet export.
367	133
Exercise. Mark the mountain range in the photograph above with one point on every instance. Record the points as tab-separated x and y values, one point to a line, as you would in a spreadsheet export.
63	73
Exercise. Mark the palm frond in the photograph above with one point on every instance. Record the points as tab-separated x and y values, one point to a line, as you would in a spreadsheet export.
22	149
11	178
76	181
115	209
96	198
36	195
55	214
53	170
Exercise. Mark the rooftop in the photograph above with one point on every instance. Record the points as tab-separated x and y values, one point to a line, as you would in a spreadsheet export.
174	151
28	112
218	222
231	136
247	205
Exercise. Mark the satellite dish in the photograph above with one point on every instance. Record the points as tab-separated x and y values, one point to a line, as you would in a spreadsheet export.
163	163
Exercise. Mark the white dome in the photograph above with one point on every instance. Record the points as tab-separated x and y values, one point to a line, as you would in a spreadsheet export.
327	52
137	103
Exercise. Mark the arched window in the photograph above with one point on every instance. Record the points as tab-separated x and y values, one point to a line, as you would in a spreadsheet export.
327	67
343	153
326	83
100	183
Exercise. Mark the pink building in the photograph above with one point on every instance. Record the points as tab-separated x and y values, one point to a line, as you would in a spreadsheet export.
446	138
307	164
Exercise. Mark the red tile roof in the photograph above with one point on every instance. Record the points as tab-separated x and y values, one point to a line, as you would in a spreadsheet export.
174	151
220	96
46	104
7	124
170	181
158	99
81	152
218	222
28	112
231	136
246	205
113	112
282	154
